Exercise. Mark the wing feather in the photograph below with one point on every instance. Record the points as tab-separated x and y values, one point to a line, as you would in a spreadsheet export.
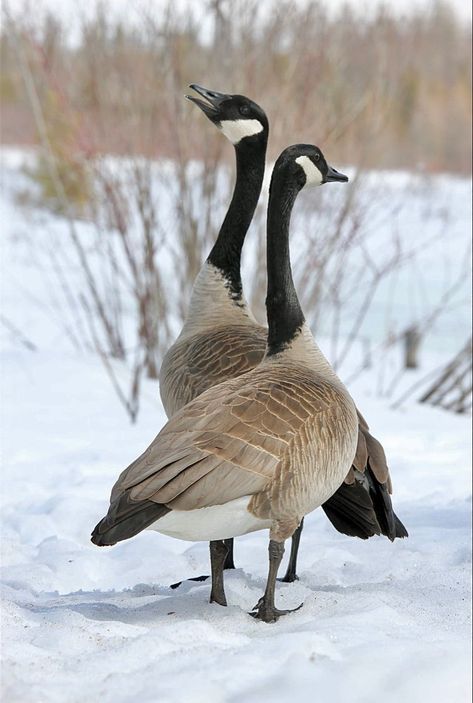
348	510
228	442
198	363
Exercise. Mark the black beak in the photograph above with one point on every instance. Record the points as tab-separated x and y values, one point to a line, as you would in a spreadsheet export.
333	175
213	100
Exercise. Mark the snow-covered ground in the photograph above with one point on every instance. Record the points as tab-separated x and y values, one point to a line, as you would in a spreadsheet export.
380	621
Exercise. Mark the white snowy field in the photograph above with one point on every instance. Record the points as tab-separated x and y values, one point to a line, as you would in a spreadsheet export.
380	621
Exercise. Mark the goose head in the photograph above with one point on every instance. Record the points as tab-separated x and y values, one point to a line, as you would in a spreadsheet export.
306	164
240	119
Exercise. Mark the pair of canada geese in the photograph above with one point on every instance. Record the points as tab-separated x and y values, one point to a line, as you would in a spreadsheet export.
261	430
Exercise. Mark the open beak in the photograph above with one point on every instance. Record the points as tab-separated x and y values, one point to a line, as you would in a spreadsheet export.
333	175
213	100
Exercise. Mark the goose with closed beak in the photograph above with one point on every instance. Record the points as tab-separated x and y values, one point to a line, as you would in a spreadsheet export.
259	451
221	339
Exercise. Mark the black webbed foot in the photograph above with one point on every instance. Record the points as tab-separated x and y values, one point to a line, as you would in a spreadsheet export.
289	577
268	613
194	578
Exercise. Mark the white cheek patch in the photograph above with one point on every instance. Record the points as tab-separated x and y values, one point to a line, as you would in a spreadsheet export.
312	174
236	130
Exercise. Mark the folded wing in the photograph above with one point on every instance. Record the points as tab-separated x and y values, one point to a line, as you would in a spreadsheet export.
362	506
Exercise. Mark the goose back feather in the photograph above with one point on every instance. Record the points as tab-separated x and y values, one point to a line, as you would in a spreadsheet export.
258	436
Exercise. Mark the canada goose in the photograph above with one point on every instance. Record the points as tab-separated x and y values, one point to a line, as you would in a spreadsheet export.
218	339
258	451
221	339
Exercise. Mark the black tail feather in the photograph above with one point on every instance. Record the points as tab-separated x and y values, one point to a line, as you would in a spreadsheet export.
382	504
364	509
400	529
125	519
390	524
350	510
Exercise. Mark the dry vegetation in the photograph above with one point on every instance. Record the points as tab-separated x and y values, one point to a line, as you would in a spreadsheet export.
387	92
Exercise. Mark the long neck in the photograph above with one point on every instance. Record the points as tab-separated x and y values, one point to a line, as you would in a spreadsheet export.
226	253
285	317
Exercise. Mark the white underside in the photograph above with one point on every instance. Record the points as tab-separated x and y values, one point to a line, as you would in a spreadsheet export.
216	522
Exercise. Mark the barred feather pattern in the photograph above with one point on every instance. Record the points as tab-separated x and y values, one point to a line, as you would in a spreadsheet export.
280	433
200	361
220	341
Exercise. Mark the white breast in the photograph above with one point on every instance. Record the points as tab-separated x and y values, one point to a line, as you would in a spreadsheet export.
216	522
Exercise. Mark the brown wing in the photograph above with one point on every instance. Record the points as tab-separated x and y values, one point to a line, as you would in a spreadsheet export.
228	442
369	452
236	439
194	365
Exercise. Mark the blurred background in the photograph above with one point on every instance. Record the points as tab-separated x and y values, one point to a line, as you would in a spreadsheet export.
124	184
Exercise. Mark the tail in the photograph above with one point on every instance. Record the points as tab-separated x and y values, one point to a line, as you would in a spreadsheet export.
350	510
390	524
364	509
125	518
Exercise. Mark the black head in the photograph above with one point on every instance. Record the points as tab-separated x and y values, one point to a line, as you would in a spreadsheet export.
307	165
237	116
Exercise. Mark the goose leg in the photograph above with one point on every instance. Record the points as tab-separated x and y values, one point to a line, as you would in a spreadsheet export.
291	574
265	608
229	563
218	555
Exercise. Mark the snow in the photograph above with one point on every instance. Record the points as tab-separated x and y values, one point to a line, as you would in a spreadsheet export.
380	621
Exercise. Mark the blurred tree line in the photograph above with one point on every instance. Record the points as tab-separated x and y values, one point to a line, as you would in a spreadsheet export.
385	91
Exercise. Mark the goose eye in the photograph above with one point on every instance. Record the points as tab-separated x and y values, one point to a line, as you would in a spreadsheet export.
244	110
316	157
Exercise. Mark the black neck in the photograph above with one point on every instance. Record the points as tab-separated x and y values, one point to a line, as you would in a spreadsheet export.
285	317
226	253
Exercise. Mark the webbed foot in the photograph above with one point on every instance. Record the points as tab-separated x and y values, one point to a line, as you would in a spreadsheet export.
268	613
194	578
289	577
